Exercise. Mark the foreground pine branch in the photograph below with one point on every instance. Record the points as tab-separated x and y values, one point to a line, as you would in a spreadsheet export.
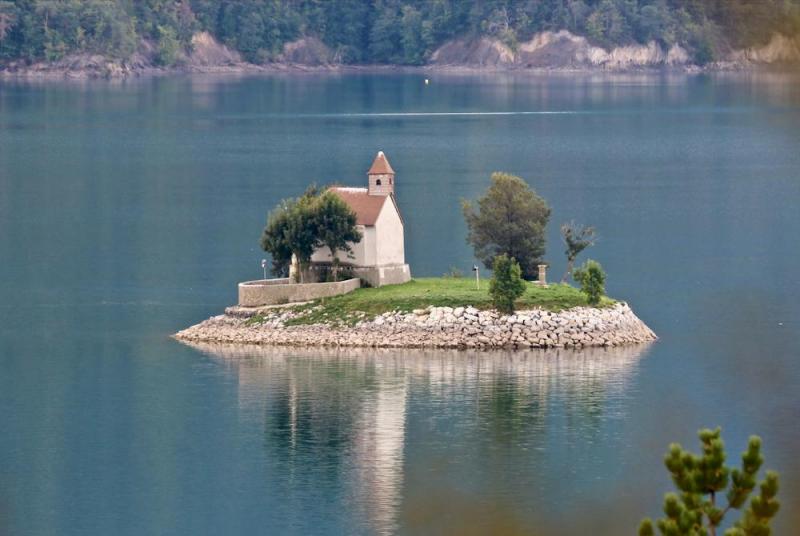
701	480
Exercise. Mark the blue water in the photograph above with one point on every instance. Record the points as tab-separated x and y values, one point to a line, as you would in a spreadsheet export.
129	210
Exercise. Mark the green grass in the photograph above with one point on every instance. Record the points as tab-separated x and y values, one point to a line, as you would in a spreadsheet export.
254	320
436	291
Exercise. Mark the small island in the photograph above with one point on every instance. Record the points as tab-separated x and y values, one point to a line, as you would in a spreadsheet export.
447	312
370	300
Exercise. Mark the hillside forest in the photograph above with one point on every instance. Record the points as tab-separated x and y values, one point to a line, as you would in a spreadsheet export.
377	31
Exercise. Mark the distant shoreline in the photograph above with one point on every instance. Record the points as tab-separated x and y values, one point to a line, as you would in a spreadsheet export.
115	71
546	52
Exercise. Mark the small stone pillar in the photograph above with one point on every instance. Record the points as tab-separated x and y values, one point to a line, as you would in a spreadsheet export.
294	270
542	281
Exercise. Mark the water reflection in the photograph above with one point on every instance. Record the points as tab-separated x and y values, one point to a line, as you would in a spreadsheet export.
388	433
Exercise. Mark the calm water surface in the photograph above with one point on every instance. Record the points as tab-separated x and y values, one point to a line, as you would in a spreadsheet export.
129	210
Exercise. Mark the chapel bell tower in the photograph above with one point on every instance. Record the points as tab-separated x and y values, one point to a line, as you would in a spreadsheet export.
381	176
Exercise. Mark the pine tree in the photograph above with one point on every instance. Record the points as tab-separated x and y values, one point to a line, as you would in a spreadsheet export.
592	279
700	479
506	284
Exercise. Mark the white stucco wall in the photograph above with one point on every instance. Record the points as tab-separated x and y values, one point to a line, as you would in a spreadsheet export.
389	240
382	244
363	251
369	239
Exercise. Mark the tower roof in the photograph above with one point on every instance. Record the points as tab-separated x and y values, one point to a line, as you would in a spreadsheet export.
380	166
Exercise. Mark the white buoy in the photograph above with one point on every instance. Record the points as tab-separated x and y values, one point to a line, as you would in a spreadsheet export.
427	81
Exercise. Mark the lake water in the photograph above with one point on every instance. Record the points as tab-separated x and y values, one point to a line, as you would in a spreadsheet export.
129	210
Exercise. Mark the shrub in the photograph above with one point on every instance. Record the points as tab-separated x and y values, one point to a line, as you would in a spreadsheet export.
453	273
506	284
701	478
592	279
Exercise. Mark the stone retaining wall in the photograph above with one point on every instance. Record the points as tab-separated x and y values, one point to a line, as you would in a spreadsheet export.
278	291
434	327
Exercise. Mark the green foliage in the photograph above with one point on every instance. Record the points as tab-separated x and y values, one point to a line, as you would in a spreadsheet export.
380	31
274	237
168	46
577	238
384	35
291	229
607	25
335	226
300	226
506	284
49	29
510	219
592	279
700	479
433	291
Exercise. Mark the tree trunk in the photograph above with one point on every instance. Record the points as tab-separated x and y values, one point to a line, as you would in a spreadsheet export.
335	265
570	263
712	526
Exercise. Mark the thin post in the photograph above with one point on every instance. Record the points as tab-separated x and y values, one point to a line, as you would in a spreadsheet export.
264	267
477	277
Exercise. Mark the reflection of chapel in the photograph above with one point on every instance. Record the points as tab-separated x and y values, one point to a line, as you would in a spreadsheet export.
379	257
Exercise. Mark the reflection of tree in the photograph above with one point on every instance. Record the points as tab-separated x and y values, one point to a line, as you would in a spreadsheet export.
315	411
509	406
340	418
587	394
333	421
319	395
585	406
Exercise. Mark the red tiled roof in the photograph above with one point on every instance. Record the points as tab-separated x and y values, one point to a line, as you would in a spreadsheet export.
367	207
380	165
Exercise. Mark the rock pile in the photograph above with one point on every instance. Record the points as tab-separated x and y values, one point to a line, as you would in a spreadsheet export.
433	327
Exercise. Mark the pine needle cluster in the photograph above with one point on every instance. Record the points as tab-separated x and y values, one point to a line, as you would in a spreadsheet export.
701	479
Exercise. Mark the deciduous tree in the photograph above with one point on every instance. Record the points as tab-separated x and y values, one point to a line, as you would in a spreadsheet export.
577	238
168	46
335	225
300	226
291	229
509	219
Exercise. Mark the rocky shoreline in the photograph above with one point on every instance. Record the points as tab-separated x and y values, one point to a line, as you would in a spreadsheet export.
433	327
100	68
546	52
